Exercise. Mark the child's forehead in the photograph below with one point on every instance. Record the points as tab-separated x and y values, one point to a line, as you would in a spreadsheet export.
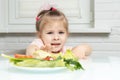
54	27
53	24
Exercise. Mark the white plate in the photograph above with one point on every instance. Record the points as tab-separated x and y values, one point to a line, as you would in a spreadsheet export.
38	68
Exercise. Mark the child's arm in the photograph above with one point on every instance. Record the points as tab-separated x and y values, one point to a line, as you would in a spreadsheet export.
82	51
31	49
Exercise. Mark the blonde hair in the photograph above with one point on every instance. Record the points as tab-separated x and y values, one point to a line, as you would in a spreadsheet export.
47	16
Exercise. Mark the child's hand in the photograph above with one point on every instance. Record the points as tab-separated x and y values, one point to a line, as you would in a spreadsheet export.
46	48
79	53
82	51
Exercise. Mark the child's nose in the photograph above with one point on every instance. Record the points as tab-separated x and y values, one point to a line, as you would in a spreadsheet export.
56	37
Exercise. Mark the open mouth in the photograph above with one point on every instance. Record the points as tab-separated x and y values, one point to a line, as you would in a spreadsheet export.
55	44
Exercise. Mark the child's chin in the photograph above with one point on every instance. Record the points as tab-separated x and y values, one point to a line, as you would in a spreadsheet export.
56	51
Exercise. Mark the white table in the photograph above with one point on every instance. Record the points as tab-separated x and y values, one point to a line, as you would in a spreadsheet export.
96	68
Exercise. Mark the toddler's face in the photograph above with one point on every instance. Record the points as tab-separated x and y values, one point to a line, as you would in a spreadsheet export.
54	35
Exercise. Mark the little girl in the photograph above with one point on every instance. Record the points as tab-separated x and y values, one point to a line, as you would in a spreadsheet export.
52	32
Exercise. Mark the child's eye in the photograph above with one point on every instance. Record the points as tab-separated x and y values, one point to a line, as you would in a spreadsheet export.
49	32
61	32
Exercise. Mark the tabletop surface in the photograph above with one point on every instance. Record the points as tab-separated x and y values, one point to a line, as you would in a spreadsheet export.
96	68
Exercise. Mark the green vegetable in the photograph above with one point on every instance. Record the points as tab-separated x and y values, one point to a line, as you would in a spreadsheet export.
67	60
72	65
71	62
40	63
69	55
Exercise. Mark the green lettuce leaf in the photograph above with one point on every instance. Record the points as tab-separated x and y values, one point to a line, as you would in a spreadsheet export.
67	60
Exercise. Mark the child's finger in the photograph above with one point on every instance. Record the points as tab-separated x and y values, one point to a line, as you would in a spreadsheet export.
42	48
48	46
82	55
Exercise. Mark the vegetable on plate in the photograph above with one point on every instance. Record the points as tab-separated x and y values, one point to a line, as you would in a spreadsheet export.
43	59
